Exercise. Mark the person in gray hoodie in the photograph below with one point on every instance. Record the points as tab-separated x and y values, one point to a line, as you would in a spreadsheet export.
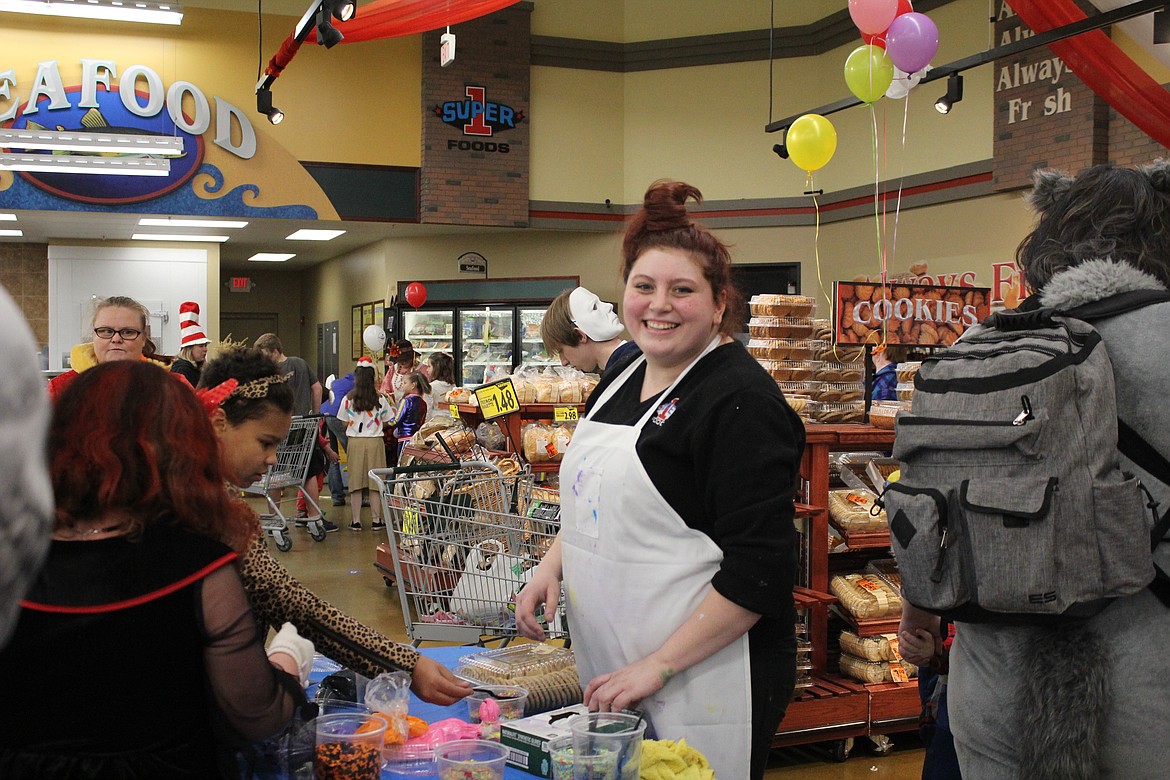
1089	699
26	497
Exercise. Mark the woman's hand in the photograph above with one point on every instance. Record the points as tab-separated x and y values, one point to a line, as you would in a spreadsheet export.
544	588
627	686
434	683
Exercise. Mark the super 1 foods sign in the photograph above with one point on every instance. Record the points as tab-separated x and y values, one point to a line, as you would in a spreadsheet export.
135	100
478	119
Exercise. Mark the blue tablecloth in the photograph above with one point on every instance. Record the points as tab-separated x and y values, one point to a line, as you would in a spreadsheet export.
431	713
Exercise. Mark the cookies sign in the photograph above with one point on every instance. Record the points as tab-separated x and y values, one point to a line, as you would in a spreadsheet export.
914	315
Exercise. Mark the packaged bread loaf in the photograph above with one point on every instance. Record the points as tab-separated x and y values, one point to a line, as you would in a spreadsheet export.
570	391
779	305
866	597
525	390
545	443
587	384
852	510
547	390
458	395
877	671
886	569
867	648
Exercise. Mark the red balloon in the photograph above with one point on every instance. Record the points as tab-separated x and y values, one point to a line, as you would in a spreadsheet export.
416	294
879	39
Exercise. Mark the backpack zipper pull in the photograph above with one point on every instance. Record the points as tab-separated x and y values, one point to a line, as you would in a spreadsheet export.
1026	414
937	575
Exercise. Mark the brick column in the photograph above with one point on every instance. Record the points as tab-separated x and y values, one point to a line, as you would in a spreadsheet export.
475	147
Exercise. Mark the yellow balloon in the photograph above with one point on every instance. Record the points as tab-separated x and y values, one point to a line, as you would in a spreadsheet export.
811	142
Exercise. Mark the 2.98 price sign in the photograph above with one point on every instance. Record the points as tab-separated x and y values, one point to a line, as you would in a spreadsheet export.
497	399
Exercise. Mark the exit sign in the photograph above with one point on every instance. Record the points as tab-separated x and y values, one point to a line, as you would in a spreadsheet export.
240	284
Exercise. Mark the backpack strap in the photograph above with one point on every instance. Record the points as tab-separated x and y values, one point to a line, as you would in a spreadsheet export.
1118	304
1129	442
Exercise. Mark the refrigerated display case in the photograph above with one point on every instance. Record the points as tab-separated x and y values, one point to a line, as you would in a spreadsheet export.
532	350
487	336
486	344
430	331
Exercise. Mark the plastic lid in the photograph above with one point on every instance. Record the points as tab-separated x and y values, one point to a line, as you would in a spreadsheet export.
509	663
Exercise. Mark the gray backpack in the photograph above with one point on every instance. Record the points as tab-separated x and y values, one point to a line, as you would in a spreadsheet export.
1011	505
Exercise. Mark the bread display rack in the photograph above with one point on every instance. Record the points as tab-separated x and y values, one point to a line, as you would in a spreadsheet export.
513	424
835	708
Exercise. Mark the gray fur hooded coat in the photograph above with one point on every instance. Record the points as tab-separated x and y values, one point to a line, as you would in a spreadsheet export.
1090	700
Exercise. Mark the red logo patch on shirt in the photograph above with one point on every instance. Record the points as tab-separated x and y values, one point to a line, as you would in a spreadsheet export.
665	411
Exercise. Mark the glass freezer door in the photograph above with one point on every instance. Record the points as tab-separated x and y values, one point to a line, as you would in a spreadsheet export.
429	331
486	341
532	351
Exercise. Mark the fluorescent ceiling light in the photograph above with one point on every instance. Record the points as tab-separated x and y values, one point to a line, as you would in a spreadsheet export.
210	223
86	141
315	235
270	257
113	10
68	163
176	237
7	217
11	232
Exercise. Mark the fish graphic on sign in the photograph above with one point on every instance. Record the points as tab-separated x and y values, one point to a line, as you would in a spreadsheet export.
94	120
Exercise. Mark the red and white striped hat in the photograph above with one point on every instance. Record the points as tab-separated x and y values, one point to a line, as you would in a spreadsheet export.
191	334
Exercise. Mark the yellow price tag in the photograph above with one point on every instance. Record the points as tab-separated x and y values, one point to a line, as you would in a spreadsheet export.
411	521
898	672
455	411
565	414
497	399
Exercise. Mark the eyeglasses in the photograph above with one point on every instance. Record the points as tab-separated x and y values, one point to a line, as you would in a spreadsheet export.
127	334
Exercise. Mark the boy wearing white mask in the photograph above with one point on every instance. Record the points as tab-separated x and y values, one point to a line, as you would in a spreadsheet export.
583	330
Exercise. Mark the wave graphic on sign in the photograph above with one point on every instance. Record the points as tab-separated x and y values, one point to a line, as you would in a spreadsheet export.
232	203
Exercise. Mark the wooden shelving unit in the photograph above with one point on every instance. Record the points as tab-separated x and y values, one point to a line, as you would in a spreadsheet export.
837	708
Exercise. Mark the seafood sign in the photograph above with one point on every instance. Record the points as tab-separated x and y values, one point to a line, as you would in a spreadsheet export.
917	315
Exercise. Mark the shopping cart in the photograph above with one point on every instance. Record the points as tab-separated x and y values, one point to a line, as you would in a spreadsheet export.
462	548
293	458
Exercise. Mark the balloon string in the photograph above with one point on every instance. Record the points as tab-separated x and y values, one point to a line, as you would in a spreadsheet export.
817	242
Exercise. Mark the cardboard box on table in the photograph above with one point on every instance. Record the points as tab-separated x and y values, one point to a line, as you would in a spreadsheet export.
527	738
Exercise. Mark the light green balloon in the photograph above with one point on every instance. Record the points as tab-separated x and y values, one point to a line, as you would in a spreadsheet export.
869	72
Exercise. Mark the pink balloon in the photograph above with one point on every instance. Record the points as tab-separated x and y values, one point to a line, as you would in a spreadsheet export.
879	39
912	41
873	16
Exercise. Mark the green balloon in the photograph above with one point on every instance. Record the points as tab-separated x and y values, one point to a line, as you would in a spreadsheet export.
869	72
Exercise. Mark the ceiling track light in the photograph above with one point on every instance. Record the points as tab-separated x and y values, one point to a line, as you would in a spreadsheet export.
781	149
954	94
342	10
327	35
265	107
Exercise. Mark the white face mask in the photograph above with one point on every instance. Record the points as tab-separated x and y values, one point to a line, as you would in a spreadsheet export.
593	316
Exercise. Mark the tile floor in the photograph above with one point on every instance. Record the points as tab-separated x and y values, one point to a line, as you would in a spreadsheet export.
340	569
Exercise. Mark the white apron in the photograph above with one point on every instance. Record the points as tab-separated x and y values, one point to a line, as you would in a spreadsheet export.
633	573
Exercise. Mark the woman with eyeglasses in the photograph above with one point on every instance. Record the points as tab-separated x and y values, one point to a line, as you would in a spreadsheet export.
120	332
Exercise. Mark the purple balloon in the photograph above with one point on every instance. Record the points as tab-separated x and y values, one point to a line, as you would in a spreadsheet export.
912	41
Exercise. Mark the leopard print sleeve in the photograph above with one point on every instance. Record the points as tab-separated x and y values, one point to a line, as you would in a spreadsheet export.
276	598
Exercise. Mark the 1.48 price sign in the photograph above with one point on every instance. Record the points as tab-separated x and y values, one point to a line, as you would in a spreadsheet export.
497	399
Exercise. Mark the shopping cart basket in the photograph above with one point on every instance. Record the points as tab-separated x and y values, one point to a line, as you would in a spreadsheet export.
293	458
461	549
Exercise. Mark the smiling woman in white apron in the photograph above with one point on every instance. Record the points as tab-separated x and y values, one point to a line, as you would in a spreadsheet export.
677	545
